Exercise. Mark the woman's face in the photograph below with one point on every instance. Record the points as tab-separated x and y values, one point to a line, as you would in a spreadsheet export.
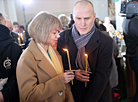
53	37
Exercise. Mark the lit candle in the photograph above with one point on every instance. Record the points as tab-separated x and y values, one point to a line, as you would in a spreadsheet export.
68	61
86	67
19	41
23	35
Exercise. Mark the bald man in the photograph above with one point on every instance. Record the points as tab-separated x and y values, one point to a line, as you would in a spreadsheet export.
9	25
83	39
13	35
9	55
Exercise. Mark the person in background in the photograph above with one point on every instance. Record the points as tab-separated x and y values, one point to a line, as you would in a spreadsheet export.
71	22
96	23
40	73
85	38
9	25
16	27
64	21
16	33
25	35
13	35
109	26
9	55
130	32
114	74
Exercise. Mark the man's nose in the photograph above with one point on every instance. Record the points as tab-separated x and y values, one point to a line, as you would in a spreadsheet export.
82	22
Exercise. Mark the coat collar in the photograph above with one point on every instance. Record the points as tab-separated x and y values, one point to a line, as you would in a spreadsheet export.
93	42
43	63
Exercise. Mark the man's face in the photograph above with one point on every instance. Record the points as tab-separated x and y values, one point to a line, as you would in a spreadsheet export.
16	28
9	25
84	17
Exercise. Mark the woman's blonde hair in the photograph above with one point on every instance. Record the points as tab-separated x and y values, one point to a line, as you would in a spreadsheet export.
41	26
64	20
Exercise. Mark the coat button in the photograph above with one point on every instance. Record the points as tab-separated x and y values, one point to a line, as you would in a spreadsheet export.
60	93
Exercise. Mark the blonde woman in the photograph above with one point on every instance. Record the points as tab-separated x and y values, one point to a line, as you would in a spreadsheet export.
40	74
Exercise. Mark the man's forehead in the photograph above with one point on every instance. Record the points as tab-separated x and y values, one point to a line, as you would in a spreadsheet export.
83	11
87	8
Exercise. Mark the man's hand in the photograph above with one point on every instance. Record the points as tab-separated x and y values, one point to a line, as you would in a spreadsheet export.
82	75
1	97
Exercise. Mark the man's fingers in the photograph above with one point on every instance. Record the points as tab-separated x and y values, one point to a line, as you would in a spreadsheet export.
82	79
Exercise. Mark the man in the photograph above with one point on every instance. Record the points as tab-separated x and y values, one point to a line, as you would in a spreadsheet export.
16	27
85	38
130	30
9	54
13	35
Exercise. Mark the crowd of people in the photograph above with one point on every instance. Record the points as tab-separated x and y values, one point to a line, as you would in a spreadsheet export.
37	70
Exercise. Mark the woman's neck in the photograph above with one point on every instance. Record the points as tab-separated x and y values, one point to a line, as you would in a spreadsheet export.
45	47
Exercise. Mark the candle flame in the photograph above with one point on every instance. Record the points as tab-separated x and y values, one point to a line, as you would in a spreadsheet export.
65	49
86	55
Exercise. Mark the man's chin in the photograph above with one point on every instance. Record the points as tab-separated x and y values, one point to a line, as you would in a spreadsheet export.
83	33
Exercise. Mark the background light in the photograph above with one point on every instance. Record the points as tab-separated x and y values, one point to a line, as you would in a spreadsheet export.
25	1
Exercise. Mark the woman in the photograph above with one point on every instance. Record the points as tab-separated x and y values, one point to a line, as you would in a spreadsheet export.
109	26
40	74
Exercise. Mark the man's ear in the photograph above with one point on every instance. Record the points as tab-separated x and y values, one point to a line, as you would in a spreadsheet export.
73	16
94	15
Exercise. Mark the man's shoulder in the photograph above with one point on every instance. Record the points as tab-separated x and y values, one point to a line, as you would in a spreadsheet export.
65	35
16	47
67	31
104	37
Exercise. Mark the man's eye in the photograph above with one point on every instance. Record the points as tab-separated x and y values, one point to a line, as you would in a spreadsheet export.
78	18
86	18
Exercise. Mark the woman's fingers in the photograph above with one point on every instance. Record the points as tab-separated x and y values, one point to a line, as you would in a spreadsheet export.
67	77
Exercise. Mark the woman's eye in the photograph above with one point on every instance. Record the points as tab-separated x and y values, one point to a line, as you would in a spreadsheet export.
59	31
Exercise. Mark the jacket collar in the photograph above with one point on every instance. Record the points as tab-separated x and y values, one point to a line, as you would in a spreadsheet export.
43	63
93	42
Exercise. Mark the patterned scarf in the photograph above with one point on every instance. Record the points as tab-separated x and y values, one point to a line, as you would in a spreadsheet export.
81	41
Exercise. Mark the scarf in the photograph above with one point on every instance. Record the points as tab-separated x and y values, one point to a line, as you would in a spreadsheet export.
54	59
81	41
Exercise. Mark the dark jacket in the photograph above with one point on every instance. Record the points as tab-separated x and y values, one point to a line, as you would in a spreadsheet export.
9	55
99	50
130	30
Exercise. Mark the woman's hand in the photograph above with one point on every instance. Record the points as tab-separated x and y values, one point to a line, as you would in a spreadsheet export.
67	76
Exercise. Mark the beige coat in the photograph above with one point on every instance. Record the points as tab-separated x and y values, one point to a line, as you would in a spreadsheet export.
38	80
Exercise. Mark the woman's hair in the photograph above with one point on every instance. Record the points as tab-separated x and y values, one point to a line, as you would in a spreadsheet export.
41	26
64	20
